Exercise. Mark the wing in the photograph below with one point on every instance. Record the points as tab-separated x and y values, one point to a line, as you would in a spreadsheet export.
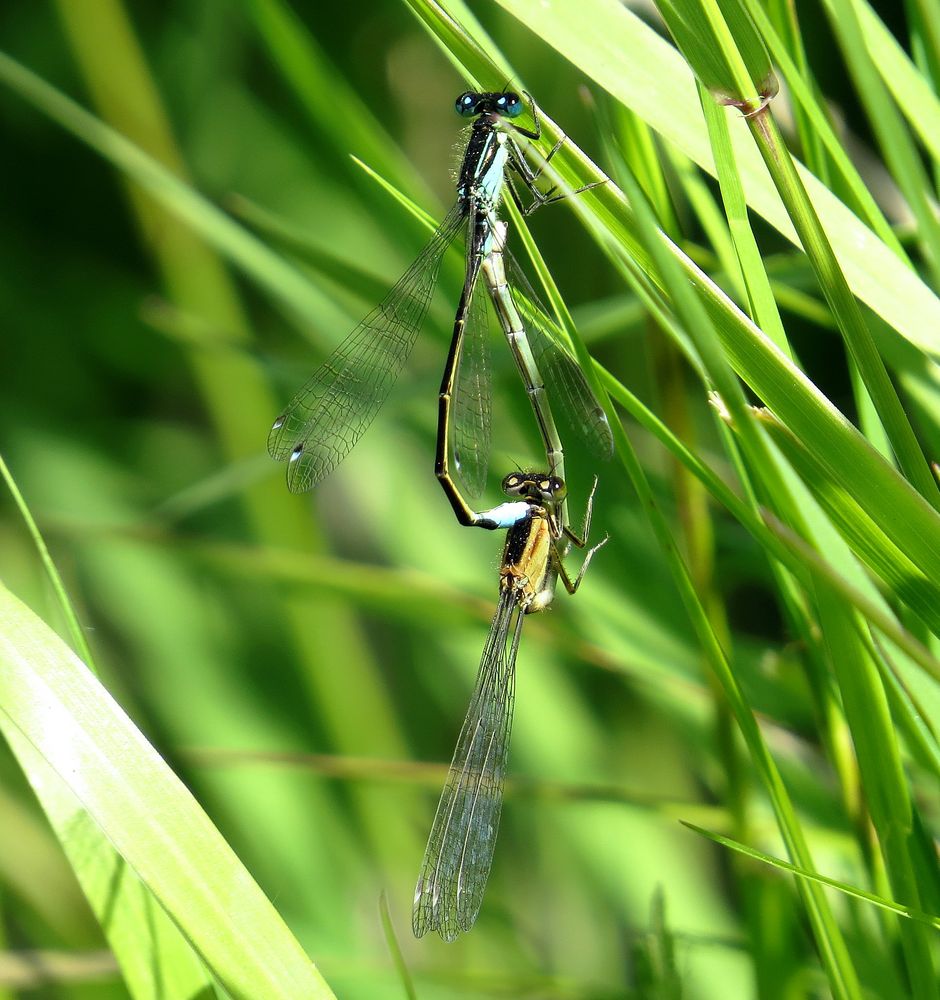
565	384
460	848
331	411
472	399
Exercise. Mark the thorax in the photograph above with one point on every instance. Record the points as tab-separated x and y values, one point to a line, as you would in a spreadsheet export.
527	566
484	163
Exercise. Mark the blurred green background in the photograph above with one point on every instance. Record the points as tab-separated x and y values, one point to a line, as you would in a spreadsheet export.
300	661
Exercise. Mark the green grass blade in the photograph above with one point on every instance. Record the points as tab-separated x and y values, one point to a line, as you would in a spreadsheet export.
823	134
622	54
850	890
49	697
873	610
302	299
333	107
896	145
913	93
841	975
817	246
918	590
725	51
156	961
876	746
762	306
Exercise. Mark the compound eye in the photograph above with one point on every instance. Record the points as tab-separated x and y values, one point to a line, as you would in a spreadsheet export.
466	104
509	105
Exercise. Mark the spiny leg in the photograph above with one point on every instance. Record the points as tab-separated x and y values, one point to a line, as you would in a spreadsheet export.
572	585
558	551
529	174
581	540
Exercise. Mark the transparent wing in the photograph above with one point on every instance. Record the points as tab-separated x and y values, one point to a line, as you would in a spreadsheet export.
472	399
567	388
331	411
460	848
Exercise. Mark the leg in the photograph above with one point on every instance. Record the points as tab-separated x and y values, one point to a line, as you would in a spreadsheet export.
557	551
581	540
548	198
572	585
514	194
530	175
535	132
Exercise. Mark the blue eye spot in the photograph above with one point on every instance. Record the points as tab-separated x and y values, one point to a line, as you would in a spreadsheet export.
466	104
511	105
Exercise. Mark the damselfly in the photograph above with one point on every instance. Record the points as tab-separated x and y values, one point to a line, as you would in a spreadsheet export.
331	411
459	853
538	361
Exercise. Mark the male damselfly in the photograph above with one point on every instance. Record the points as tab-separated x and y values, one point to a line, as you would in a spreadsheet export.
329	414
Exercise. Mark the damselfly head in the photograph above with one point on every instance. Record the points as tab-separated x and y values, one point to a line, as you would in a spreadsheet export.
535	486
504	103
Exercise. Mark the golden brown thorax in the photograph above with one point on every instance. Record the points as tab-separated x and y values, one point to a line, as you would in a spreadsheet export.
528	565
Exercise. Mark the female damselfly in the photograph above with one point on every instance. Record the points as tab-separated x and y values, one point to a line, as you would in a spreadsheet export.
459	852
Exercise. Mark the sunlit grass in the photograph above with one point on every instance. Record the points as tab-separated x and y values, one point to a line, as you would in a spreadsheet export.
754	652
